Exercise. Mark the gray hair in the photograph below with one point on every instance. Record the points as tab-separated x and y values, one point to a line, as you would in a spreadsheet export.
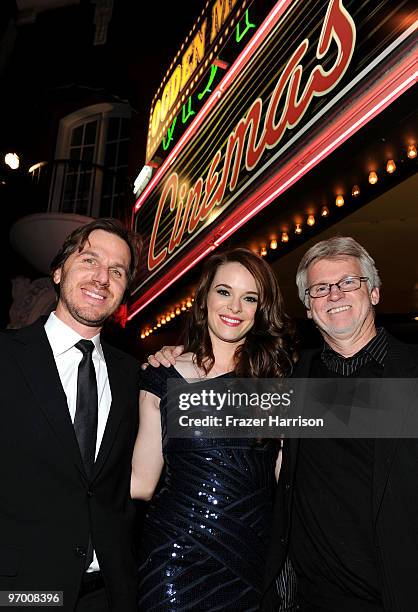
337	247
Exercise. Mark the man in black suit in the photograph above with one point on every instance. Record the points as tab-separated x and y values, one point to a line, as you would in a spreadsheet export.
347	509
67	430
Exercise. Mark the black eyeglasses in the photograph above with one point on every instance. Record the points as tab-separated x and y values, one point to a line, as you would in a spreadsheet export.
349	283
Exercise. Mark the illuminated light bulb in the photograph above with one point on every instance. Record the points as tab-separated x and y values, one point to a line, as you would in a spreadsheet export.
373	178
189	303
390	166
154	328
163	321
298	228
415	318
173	314
142	336
412	151
285	237
12	160
339	201
355	192
263	251
147	333
273	244
324	211
158	324
178	311
168	317
310	220
183	307
150	331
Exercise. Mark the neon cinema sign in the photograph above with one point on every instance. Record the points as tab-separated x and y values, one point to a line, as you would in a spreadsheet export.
280	109
253	135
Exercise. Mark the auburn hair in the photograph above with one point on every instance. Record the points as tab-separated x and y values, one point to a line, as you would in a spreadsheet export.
268	350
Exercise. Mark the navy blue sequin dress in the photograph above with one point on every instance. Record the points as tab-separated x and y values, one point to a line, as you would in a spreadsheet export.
206	530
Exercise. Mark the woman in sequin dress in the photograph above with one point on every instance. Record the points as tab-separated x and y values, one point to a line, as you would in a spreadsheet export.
206	528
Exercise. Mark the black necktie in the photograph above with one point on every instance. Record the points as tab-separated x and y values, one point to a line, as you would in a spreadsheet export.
85	420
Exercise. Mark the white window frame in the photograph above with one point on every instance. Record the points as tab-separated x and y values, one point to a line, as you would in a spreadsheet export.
102	113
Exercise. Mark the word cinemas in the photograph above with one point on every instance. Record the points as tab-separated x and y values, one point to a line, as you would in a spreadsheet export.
259	131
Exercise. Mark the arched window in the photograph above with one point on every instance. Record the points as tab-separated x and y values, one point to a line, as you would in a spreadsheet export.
91	160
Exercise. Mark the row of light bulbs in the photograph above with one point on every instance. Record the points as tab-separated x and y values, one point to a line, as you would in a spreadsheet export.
310	220
166	318
339	201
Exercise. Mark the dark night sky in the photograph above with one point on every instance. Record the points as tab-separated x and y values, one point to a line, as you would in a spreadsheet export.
57	52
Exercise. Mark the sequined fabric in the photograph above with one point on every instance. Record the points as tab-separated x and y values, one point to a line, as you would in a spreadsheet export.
206	530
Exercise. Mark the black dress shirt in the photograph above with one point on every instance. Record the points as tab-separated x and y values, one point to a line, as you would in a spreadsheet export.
375	350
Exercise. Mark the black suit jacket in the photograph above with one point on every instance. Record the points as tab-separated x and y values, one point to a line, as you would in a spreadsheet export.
395	498
47	505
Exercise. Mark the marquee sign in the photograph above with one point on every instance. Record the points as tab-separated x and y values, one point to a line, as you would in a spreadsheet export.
198	68
254	134
314	73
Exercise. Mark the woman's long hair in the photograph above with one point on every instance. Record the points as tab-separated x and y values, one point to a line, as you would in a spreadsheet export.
268	350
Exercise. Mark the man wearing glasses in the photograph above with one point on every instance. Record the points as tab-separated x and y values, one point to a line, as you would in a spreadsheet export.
347	509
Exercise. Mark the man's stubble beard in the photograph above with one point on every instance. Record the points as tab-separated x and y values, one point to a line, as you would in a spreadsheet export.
336	332
81	314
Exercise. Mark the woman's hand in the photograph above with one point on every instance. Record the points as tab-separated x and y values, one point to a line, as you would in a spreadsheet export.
166	356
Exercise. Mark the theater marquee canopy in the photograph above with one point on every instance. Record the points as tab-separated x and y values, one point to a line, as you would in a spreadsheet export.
312	74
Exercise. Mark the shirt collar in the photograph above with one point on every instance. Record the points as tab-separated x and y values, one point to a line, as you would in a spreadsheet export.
376	348
62	338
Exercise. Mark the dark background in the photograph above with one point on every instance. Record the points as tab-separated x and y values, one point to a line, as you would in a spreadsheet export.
49	66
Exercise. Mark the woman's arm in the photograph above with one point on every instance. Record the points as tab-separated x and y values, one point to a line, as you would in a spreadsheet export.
147	460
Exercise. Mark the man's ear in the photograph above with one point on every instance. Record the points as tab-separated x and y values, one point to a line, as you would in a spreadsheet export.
56	277
309	313
375	296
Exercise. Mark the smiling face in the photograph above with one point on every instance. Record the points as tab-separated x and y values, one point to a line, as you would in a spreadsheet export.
342	317
93	282
231	304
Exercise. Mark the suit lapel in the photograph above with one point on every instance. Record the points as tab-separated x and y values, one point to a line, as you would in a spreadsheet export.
301	369
114	365
35	357
398	365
